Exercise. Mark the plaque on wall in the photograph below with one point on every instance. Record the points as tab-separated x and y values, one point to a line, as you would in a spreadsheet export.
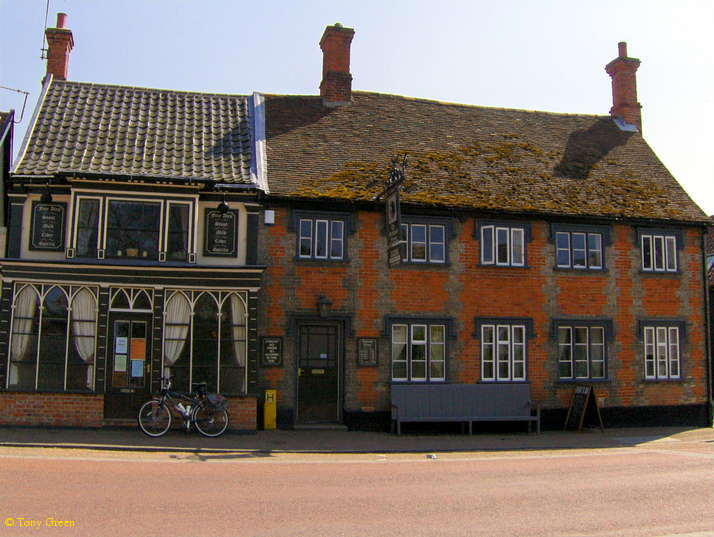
367	354
271	351
48	220
221	233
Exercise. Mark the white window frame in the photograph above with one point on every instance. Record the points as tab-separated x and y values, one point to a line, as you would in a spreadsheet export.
666	246
588	251
586	348
494	345
513	235
662	353
426	343
302	237
407	238
337	238
334	234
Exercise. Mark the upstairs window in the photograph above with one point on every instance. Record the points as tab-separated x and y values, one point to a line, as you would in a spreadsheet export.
659	253
578	250
424	243
150	230
503	244
321	239
133	229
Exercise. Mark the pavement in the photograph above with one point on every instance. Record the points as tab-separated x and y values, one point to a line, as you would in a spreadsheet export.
337	441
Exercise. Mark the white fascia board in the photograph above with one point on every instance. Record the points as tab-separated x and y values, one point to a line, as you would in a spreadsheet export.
33	122
259	163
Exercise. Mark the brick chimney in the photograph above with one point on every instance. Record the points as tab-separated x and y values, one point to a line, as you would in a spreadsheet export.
59	44
624	87
336	85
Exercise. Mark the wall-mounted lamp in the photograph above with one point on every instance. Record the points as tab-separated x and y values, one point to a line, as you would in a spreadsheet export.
46	196
223	206
323	305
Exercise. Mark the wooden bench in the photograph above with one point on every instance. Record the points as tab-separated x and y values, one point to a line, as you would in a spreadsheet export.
464	403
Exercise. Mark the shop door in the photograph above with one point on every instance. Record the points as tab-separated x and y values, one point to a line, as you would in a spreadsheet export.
319	371
128	377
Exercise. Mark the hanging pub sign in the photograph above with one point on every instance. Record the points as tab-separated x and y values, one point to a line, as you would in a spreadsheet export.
392	208
48	220
221	235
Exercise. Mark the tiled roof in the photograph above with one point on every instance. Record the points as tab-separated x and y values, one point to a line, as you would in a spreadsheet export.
469	157
118	130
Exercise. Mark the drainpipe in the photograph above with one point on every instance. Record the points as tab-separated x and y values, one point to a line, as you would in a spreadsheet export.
710	403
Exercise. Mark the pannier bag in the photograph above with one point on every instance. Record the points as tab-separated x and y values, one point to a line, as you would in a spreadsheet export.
217	401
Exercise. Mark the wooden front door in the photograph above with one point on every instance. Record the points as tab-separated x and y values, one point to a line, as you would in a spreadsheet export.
319	373
128	366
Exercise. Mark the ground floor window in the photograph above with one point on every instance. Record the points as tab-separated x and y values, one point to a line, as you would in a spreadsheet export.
662	352
53	338
581	352
418	352
205	339
503	352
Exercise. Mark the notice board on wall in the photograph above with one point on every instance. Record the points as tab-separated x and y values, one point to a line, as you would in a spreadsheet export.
583	405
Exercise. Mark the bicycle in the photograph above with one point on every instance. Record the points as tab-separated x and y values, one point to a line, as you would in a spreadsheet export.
206	411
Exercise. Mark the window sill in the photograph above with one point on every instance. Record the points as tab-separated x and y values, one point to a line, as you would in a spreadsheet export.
660	273
503	382
583	381
657	381
506	267
571	270
314	261
422	264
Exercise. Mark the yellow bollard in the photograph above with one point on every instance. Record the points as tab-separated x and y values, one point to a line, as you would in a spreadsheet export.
270	409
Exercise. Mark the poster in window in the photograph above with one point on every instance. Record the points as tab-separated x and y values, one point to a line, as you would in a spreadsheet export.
48	220
367	353
272	351
138	349
221	233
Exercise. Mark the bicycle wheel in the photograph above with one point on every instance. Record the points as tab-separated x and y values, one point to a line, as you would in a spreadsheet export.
154	418
209	421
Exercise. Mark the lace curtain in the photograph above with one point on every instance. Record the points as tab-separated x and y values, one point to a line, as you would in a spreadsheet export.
24	317
178	317
84	326
238	318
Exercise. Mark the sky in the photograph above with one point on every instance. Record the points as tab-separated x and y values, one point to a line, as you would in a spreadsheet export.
544	55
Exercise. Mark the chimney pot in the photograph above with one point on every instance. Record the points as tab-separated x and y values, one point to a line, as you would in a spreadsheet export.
59	44
623	71
336	85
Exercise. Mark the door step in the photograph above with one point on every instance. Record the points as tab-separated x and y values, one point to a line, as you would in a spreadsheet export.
320	427
119	422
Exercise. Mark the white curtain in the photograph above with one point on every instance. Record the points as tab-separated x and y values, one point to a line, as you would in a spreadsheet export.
84	326
178	317
238	321
24	316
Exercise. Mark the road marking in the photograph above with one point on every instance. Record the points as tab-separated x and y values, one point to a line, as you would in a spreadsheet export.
296	458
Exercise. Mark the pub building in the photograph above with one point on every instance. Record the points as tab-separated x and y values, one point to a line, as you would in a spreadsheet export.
131	250
282	247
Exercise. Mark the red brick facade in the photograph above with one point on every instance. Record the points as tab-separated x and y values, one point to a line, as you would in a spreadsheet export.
51	409
366	290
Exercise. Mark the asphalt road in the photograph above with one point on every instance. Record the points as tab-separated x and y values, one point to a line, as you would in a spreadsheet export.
658	488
